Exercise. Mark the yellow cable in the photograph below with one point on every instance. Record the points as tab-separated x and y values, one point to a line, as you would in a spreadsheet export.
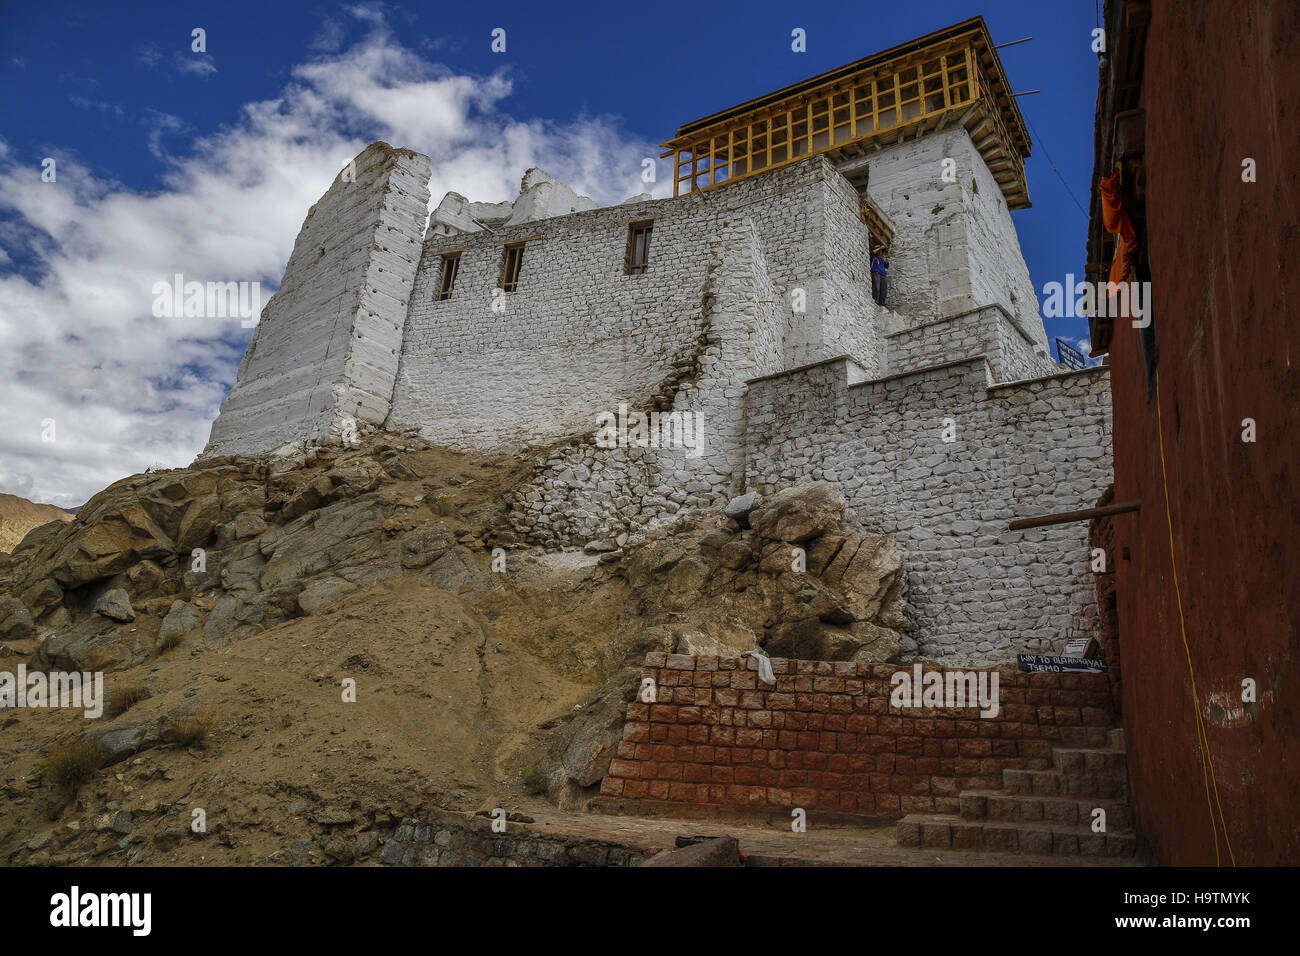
1202	737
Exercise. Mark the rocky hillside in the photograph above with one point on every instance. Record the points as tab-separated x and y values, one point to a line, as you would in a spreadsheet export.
18	516
312	645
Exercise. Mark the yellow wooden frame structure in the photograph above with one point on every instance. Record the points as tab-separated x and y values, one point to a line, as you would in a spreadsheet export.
877	228
948	77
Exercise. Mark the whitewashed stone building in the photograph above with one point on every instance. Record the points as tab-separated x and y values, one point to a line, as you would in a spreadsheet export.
740	312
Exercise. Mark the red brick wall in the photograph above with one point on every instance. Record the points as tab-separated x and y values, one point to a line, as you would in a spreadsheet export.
826	738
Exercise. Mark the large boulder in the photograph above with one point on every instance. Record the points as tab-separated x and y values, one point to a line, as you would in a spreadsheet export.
144	579
15	620
739	508
799	513
866	570
721	637
91	643
811	640
579	758
43	595
180	620
199	522
345	534
815	640
798	583
109	544
39	536
115	604
322	592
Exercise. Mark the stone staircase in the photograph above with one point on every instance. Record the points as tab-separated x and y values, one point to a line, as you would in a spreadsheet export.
1043	811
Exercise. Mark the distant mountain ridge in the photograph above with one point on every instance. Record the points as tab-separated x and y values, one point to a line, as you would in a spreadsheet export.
18	516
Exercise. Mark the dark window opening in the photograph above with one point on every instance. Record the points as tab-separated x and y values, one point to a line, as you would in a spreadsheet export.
511	263
450	267
638	248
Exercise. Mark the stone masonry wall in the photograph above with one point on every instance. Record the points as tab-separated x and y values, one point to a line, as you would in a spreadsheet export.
851	322
456	839
955	245
988	331
327	345
827	738
980	593
579	336
582	492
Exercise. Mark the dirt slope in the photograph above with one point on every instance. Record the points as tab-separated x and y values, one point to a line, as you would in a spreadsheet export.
372	573
458	691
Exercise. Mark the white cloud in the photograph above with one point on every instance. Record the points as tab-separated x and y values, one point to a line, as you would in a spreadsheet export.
78	342
330	37
196	64
85	103
1084	345
149	56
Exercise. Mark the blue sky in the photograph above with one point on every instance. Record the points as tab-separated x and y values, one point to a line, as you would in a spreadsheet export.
170	161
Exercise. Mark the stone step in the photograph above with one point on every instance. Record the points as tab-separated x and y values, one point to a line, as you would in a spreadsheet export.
1085	737
1089	760
995	805
940	832
1055	783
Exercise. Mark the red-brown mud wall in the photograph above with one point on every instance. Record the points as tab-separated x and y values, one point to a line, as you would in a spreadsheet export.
1222	84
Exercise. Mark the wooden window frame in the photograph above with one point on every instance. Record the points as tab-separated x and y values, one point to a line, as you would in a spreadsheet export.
512	263
642	227
446	281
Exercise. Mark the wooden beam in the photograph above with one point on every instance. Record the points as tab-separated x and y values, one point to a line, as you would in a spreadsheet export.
1065	517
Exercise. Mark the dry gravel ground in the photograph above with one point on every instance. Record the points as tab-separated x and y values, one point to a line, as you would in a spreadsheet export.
447	713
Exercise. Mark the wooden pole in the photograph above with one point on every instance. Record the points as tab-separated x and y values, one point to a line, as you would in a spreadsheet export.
1065	517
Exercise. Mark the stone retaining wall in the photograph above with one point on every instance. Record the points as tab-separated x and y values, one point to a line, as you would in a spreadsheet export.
942	459
450	839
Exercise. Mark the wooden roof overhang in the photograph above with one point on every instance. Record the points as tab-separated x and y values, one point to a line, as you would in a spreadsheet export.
949	77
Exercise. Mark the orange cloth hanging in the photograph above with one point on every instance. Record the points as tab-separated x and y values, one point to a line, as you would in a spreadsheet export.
1116	220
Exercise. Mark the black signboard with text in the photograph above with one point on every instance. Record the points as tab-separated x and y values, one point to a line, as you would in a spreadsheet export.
1058	665
1070	356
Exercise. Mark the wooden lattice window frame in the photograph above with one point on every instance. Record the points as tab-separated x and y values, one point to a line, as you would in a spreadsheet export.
911	92
636	261
447	276
512	261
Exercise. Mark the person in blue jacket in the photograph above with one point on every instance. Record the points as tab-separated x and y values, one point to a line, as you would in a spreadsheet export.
879	274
